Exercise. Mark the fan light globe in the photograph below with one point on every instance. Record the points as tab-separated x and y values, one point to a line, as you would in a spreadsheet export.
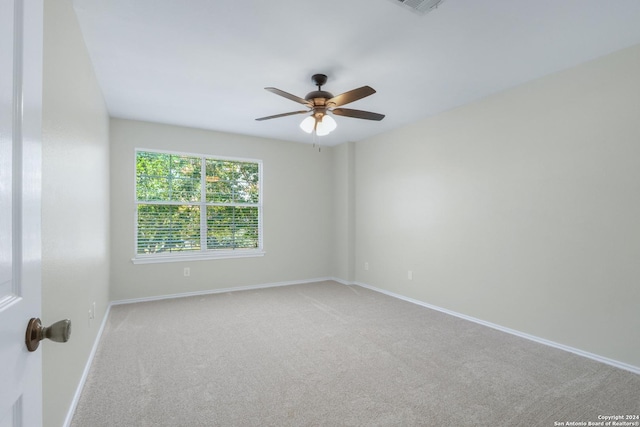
329	123
321	130
325	125
308	124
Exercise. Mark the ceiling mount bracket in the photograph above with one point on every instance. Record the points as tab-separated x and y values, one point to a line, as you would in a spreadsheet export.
319	80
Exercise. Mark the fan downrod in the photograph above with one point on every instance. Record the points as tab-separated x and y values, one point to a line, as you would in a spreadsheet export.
318	97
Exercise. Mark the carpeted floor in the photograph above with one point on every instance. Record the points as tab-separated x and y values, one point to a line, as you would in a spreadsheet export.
325	354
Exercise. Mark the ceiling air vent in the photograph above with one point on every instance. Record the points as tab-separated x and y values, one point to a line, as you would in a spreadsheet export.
421	7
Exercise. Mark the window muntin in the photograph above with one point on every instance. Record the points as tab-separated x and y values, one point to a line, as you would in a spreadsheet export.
197	204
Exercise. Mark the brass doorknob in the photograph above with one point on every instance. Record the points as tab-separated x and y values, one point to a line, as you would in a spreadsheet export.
59	332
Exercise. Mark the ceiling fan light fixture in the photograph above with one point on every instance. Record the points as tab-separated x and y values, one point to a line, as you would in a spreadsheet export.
321	130
308	124
326	125
322	125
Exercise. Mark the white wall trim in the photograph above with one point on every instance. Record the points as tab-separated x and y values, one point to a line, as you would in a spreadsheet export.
592	356
87	369
222	290
197	256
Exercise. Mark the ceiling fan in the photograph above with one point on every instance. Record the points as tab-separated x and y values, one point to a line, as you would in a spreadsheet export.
321	102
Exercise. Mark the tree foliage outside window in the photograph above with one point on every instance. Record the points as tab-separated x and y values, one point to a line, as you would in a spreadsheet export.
195	204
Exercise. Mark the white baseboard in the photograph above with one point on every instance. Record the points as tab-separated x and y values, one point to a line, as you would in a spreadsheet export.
596	357
85	373
223	290
342	281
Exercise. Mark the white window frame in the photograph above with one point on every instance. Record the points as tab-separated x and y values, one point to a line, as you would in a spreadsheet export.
203	253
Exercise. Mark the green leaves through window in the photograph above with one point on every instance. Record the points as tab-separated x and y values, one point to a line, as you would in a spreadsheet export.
196	204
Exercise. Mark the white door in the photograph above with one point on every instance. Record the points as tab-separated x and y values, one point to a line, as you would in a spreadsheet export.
20	170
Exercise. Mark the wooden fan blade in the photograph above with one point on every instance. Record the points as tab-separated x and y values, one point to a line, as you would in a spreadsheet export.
352	95
283	115
289	96
358	114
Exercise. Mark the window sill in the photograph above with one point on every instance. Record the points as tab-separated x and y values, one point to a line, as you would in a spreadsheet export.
157	259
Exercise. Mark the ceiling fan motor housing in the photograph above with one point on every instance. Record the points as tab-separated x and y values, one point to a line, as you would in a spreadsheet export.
318	97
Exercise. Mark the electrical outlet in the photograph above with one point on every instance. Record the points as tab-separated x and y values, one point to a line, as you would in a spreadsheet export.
187	272
410	275
366	266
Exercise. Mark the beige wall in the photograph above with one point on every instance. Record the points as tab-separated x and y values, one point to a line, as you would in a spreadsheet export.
521	209
75	205
297	183
343	225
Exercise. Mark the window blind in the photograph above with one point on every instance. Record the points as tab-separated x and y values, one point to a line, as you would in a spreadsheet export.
196	203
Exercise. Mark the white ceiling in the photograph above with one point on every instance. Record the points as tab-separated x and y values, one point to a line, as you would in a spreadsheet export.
204	63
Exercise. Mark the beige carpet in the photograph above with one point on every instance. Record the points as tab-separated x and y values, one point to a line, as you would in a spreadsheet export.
325	354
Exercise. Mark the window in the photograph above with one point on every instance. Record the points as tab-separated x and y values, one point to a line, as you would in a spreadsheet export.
196	207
